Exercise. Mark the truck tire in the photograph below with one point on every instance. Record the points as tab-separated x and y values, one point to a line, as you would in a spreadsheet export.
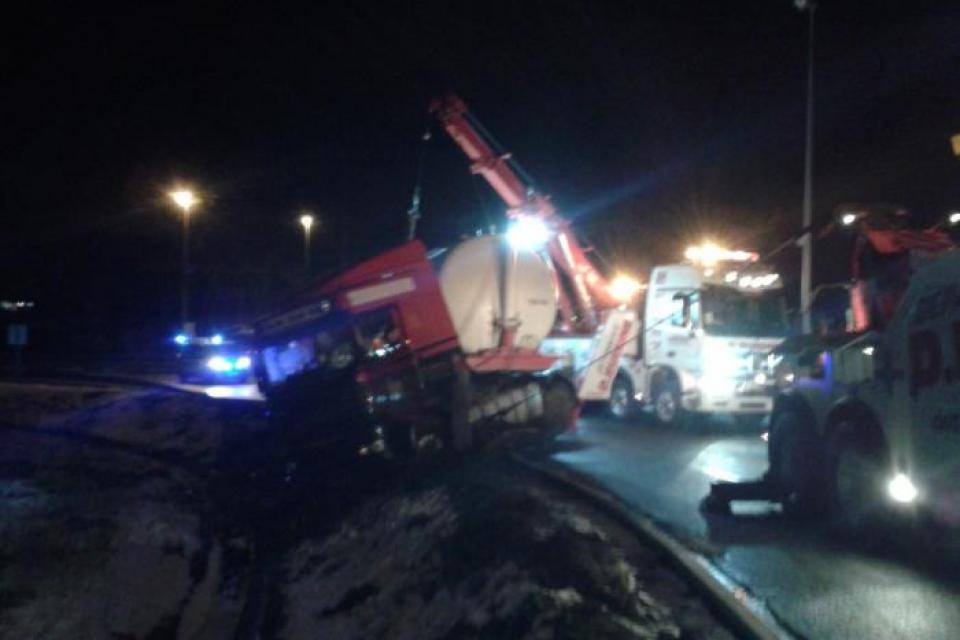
461	430
855	464
667	406
796	465
621	405
560	406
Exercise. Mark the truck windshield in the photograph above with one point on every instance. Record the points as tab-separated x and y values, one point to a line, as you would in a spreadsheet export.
731	312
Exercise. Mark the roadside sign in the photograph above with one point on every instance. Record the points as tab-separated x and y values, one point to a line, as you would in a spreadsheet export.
16	335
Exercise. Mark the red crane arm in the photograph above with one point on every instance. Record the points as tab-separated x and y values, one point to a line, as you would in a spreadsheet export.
590	289
452	112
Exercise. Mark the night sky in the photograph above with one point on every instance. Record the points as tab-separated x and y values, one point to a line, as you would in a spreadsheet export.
651	123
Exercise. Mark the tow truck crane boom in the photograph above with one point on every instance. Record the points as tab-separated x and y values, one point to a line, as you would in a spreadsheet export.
588	292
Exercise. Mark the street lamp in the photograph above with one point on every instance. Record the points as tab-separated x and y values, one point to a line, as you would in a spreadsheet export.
306	221
954	218
806	265
185	200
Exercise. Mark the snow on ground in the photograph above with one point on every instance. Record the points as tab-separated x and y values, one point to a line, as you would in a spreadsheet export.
487	552
101	537
188	427
88	552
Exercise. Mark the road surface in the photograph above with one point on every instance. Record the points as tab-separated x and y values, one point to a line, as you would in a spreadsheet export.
816	585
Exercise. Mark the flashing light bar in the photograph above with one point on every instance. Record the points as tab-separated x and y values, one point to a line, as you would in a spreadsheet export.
758	281
709	254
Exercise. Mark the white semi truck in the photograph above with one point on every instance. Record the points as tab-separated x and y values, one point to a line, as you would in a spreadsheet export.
702	347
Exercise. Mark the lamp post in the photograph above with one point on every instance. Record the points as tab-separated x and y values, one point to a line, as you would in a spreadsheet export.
185	201
306	221
806	245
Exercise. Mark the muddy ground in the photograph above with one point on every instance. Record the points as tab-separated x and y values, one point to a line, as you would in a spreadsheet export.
147	514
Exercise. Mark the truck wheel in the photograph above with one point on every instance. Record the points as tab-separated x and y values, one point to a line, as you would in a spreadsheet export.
855	475
667	407
621	404
796	465
559	406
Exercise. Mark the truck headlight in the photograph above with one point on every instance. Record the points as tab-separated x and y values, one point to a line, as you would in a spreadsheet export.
718	385
901	489
219	364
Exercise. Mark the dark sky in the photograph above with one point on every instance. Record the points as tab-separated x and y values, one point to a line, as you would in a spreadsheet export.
651	123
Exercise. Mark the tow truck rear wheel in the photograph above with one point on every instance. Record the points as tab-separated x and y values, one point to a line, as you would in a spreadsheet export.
667	407
854	475
621	405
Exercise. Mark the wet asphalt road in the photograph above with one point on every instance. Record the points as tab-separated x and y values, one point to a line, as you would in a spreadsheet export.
817	585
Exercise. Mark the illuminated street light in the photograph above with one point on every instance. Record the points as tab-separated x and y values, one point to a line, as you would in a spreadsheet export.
307	221
185	200
954	217
848	219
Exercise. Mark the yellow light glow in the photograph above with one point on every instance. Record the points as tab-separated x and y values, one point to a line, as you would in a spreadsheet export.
306	221
184	198
624	287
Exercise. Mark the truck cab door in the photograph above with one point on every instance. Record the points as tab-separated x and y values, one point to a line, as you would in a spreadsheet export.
670	335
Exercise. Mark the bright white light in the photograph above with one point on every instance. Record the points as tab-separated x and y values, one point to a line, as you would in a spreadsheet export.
306	221
902	489
243	362
868	351
760	378
217	339
789	377
745	281
219	364
181	339
848	219
717	386
184	199
731	276
954	217
624	287
527	233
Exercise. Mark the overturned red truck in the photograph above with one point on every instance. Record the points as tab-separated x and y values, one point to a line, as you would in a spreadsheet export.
407	346
412	345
